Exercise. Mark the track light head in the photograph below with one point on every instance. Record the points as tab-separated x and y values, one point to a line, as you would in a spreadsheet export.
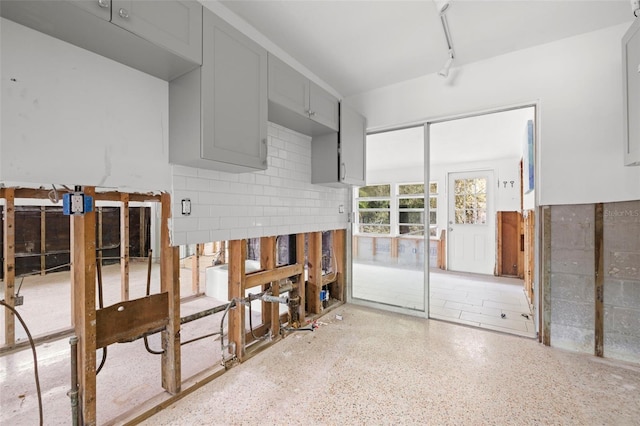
444	72
442	6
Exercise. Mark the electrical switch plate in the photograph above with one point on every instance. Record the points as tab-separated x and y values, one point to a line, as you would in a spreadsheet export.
341	208
186	207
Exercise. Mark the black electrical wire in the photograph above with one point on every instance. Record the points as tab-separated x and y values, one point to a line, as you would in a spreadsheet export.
101	305
146	341
35	357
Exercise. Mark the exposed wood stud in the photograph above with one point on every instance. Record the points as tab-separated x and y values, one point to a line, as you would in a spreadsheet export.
43	239
170	283
236	328
546	276
339	252
315	273
143	231
268	263
599	280
195	270
394	248
300	252
124	247
9	244
83	278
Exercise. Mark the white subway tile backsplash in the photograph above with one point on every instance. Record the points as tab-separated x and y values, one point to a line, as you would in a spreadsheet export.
279	200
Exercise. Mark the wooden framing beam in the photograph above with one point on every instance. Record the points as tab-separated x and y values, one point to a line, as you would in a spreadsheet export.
545	297
170	283
236	328
498	270
314	306
302	284
130	320
267	264
43	194
83	280
195	271
394	248
9	255
339	254
264	277
43	239
143	231
599	280
124	247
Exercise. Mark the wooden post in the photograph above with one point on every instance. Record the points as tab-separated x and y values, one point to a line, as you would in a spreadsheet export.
499	244
223	251
315	273
339	252
9	244
236	328
394	249
170	283
143	230
268	263
124	247
546	276
83	286
599	280
43	240
195	271
302	284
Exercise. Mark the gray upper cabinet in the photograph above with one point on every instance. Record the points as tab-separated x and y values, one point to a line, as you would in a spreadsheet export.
174	25
99	8
161	38
340	159
218	113
631	94
299	104
353	134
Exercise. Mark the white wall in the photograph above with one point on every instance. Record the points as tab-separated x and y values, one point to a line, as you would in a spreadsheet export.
70	116
278	201
504	169
577	83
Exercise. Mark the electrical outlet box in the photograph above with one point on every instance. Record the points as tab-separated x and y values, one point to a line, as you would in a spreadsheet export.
18	301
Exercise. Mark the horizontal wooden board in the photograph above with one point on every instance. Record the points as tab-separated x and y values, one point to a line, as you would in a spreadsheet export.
128	321
259	278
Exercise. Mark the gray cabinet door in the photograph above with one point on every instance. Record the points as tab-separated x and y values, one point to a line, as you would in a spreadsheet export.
234	96
172	24
631	85
323	107
287	87
99	8
353	128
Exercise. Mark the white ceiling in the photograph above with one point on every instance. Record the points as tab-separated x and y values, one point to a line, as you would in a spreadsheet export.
356	46
479	138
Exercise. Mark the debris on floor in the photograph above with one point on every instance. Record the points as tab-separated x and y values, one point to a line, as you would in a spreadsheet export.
503	315
525	315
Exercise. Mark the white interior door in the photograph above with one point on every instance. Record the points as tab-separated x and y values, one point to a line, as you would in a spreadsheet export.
471	218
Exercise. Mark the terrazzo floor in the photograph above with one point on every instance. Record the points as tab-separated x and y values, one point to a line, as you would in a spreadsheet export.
375	367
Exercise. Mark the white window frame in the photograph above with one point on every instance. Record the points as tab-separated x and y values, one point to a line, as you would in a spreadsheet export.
390	210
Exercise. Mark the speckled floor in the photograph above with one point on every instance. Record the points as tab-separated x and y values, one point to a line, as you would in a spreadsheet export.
374	367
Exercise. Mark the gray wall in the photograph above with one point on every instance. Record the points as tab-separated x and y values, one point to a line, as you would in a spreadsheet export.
573	281
622	280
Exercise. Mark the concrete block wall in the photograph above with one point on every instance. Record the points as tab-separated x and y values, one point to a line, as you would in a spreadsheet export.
622	281
278	201
572	277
